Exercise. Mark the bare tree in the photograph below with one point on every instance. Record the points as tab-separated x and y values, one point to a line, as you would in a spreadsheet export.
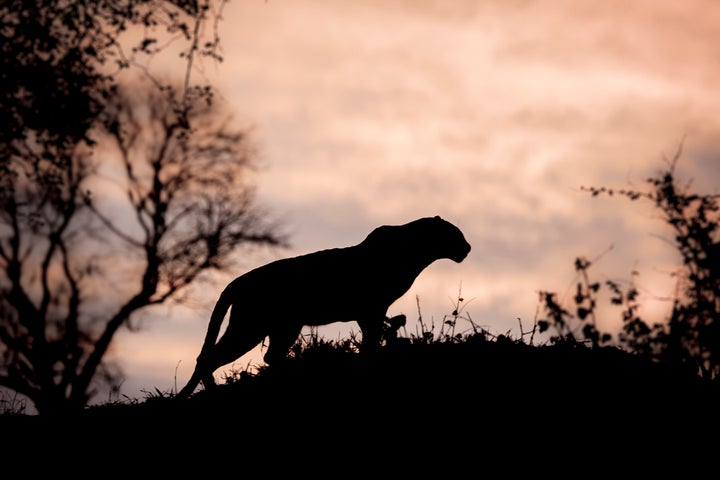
59	61
167	198
186	200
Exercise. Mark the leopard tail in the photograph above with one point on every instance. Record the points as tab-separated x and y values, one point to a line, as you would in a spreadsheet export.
216	319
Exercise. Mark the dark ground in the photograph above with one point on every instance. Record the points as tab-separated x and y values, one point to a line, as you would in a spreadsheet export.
412	405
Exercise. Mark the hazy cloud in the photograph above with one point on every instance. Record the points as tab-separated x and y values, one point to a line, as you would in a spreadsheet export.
492	114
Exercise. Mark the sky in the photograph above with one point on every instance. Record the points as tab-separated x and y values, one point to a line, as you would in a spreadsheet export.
493	115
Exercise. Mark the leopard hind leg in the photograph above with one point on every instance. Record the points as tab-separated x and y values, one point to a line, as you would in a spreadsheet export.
233	344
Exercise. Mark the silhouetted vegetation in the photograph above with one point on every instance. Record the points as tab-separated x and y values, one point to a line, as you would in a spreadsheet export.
690	336
61	61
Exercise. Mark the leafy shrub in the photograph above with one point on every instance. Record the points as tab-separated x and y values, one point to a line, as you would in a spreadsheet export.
690	336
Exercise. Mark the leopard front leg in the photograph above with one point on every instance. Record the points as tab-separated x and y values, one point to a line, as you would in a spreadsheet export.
372	332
